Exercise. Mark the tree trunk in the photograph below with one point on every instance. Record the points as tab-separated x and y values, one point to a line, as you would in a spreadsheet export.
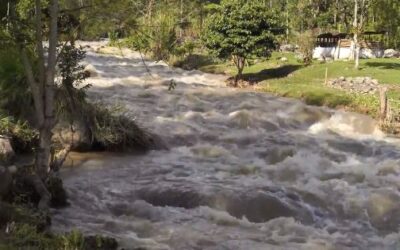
356	52
44	151
239	62
46	126
42	87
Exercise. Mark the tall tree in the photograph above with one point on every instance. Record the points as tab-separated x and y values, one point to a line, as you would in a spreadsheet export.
41	81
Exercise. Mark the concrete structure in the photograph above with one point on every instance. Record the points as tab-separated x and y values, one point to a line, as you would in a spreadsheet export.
341	47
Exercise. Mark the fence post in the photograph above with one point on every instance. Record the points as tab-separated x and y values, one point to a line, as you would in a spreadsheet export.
326	76
383	104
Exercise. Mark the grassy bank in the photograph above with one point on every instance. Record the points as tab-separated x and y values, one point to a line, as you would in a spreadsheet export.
290	78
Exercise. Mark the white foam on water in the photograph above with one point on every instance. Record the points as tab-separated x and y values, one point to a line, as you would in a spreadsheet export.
244	170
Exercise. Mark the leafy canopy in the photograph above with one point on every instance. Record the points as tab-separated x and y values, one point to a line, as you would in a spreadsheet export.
241	28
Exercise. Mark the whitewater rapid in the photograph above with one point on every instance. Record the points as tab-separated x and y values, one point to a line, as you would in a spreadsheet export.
243	170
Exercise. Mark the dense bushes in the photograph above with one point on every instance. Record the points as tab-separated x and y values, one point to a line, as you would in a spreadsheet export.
15	97
23	137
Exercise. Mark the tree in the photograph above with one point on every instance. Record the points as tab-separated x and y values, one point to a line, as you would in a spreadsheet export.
40	71
240	29
386	17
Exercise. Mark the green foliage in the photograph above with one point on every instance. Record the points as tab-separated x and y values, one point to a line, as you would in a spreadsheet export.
111	129
73	241
14	90
71	93
388	19
241	29
25	235
159	39
307	83
104	16
113	36
185	49
22	135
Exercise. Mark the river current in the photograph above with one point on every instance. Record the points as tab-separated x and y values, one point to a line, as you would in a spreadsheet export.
243	170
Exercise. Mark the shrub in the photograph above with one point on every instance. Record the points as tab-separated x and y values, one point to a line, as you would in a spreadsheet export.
306	43
159	40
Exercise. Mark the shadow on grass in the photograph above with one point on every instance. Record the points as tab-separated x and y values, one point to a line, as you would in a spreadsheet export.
383	65
273	73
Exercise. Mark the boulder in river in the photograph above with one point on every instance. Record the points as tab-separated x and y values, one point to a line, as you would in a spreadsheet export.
90	71
78	137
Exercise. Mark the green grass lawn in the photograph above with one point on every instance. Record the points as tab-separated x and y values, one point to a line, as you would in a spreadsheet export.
292	79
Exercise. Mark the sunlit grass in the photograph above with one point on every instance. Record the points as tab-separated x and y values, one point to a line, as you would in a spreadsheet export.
290	78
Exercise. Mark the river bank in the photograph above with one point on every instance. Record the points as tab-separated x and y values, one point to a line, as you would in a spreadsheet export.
284	75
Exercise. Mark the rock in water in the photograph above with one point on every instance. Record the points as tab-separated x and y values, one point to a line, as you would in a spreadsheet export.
79	138
90	71
6	150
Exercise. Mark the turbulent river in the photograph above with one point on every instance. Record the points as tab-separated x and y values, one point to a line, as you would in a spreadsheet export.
243	170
